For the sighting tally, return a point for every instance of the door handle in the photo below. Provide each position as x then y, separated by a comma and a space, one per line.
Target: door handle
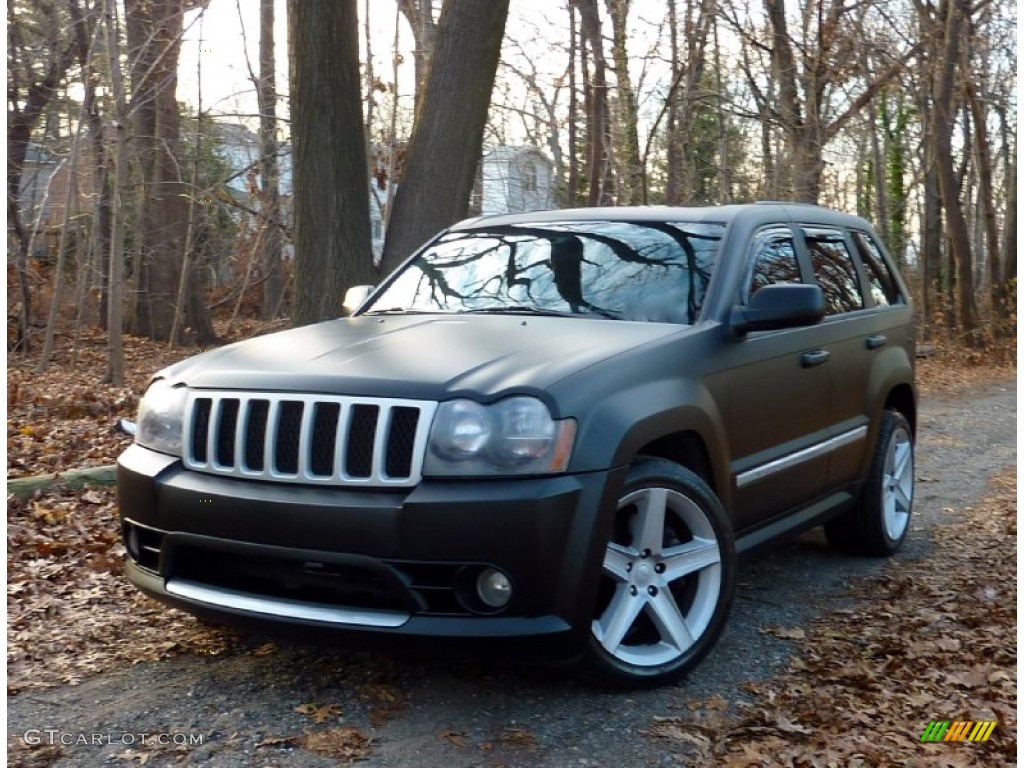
811, 359
874, 342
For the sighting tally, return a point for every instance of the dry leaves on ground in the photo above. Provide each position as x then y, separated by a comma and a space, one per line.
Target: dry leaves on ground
62, 419
952, 371
929, 639
70, 611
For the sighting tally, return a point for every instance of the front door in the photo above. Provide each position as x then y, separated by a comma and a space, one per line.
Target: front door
778, 398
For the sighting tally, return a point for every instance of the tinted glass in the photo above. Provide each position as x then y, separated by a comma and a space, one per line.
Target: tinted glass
774, 262
834, 270
881, 283
653, 271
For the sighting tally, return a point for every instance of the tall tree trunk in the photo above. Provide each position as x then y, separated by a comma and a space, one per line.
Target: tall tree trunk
1009, 254
270, 257
448, 137
573, 187
960, 244
629, 153
26, 104
598, 121
115, 359
881, 192
154, 40
673, 148
332, 194
983, 153
420, 15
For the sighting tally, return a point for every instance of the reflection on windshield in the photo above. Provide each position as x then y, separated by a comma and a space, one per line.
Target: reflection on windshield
653, 271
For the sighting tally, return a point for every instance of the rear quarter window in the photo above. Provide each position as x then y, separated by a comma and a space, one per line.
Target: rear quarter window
882, 283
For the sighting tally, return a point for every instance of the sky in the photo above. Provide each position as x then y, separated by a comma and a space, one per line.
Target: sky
216, 42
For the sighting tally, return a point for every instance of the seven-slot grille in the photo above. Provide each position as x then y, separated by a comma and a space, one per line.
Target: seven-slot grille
321, 439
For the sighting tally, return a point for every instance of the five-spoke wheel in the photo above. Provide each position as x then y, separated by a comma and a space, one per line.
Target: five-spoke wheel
667, 578
879, 522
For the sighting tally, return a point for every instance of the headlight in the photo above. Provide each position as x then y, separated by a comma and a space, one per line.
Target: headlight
513, 436
161, 412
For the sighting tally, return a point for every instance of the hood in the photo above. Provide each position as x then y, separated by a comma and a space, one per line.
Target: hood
431, 357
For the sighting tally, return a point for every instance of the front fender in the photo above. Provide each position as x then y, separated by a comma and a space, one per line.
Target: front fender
620, 425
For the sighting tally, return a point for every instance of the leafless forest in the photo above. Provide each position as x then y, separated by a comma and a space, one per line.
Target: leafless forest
130, 210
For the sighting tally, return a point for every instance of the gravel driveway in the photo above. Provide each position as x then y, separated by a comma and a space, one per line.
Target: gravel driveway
419, 712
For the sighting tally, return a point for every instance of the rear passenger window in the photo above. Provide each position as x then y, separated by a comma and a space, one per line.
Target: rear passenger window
774, 261
834, 270
881, 283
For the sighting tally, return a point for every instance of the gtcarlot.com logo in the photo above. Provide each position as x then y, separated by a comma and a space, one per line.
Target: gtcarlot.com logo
52, 736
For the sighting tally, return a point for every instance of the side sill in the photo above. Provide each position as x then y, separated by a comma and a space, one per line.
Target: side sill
793, 524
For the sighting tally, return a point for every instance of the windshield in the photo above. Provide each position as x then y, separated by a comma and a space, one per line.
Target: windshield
643, 270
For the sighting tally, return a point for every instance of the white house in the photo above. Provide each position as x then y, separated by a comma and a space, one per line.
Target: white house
514, 180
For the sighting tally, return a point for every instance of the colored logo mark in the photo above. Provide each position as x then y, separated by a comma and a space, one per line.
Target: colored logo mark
958, 730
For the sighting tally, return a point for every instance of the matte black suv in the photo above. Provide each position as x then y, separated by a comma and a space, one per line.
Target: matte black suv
553, 431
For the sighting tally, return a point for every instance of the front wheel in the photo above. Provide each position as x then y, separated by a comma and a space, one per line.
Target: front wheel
667, 581
878, 525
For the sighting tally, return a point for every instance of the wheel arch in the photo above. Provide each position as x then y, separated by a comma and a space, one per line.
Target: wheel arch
901, 398
672, 420
686, 448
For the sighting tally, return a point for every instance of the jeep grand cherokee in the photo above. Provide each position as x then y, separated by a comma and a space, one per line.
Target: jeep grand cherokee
554, 431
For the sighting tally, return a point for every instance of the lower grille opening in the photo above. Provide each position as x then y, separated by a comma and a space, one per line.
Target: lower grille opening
143, 546
312, 581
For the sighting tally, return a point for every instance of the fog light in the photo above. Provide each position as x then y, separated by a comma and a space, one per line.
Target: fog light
493, 588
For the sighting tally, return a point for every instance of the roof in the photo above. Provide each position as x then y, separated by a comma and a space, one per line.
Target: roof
511, 153
768, 211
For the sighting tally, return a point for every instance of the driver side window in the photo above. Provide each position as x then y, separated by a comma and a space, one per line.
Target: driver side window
773, 262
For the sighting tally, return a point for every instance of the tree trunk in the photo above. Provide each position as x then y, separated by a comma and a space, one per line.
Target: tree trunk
420, 15
331, 172
448, 137
573, 186
26, 103
115, 360
1009, 255
598, 123
983, 153
270, 258
629, 153
881, 213
154, 40
673, 149
949, 187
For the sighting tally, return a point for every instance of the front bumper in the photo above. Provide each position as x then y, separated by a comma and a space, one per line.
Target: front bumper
335, 563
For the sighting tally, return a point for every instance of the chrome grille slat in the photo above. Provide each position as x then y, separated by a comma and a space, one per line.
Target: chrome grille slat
316, 413
241, 425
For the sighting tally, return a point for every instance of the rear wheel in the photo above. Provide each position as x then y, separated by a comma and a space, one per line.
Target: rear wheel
878, 525
667, 580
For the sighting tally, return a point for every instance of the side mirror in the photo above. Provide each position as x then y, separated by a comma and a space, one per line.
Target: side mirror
779, 306
354, 298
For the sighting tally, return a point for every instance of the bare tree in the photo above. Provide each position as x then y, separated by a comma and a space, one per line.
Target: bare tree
115, 367
954, 13
448, 136
420, 15
805, 108
266, 92
39, 53
331, 175
599, 147
154, 30
629, 150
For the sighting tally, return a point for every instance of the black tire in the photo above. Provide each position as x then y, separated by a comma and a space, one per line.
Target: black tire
668, 580
877, 526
